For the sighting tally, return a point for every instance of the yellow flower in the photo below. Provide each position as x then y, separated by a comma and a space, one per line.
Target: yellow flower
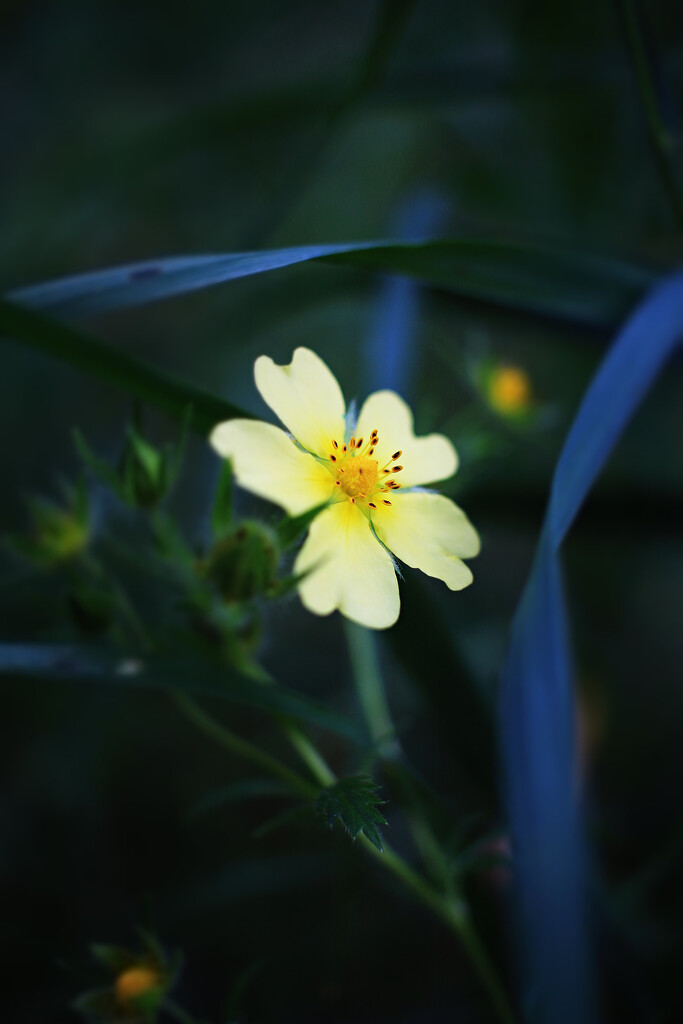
509, 390
369, 482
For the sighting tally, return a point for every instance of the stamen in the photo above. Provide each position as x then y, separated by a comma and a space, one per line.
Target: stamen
371, 504
359, 443
343, 448
396, 469
337, 483
334, 443
396, 455
333, 458
352, 443
385, 502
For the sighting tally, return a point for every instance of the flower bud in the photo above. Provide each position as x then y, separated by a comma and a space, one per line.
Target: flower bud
243, 564
58, 532
146, 474
140, 986
509, 390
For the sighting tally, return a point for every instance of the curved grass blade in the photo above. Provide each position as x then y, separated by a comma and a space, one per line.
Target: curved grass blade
537, 279
57, 663
159, 388
390, 355
537, 709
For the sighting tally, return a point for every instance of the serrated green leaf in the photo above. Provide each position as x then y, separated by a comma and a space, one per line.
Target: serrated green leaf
355, 802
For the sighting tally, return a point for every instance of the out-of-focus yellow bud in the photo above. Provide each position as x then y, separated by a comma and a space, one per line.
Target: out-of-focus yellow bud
509, 390
135, 983
58, 532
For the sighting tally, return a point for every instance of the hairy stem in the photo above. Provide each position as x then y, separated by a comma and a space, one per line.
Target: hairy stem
443, 902
451, 912
243, 748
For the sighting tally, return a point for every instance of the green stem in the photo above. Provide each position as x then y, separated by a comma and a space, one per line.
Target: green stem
451, 912
370, 690
243, 748
372, 697
445, 904
309, 754
660, 139
454, 914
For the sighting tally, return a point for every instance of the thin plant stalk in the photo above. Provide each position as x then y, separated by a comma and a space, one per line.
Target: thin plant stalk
660, 138
451, 912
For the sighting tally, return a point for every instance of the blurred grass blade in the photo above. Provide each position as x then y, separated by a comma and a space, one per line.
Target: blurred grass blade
63, 664
538, 279
390, 354
537, 707
181, 401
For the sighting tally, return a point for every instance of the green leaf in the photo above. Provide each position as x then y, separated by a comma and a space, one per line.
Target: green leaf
221, 513
99, 468
248, 789
158, 388
62, 664
98, 1004
290, 529
116, 958
354, 801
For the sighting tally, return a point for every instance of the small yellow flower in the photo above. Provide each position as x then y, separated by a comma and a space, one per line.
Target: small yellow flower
135, 982
509, 390
370, 482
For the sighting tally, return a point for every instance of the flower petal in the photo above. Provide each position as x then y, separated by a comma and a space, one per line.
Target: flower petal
424, 459
428, 532
307, 398
268, 463
348, 569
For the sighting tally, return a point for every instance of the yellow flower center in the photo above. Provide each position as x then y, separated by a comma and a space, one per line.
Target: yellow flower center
359, 476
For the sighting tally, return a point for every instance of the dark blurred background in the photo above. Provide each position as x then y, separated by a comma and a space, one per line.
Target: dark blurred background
130, 131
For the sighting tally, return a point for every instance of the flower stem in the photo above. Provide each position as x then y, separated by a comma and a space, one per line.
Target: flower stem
451, 912
243, 748
445, 904
660, 139
370, 690
309, 753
